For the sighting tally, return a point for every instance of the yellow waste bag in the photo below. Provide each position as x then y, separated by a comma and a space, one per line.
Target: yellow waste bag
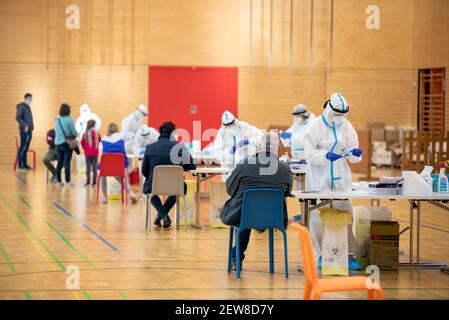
334, 244
189, 205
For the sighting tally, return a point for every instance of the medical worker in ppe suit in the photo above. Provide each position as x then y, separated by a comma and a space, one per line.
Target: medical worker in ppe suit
301, 117
131, 124
143, 138
85, 115
235, 140
330, 142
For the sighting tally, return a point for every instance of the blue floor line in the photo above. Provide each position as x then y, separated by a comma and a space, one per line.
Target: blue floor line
106, 242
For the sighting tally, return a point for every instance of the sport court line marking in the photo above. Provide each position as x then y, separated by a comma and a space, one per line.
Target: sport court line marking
98, 236
7, 258
67, 242
22, 180
27, 227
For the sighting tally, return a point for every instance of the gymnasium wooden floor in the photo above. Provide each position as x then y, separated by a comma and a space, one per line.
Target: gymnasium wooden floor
44, 229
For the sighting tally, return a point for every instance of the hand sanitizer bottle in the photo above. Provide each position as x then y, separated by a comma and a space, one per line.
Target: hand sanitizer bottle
443, 185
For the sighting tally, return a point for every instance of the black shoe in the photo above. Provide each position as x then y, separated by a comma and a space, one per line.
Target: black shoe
87, 184
157, 221
167, 222
260, 230
234, 265
27, 167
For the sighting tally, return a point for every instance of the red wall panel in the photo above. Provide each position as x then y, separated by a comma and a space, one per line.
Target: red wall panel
174, 91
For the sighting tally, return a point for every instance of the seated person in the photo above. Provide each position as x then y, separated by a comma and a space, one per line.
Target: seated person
157, 154
262, 170
51, 154
114, 143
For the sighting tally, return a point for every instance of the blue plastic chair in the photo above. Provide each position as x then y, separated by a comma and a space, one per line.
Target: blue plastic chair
261, 209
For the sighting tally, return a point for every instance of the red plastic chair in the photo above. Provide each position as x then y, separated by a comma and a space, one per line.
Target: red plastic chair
16, 162
113, 165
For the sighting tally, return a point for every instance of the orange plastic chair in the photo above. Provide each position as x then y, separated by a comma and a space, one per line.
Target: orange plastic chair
113, 165
315, 286
16, 162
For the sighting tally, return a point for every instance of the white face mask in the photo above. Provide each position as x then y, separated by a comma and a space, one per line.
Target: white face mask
299, 120
28, 102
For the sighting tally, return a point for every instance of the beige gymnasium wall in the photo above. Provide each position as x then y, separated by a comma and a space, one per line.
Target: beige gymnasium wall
106, 62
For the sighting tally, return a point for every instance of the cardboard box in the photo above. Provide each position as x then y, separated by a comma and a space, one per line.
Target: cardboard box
384, 251
218, 197
361, 227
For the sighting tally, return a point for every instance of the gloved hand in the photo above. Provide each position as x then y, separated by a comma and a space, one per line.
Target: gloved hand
285, 135
243, 143
233, 149
332, 156
356, 152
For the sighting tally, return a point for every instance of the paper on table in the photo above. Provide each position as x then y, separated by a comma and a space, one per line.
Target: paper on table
415, 185
427, 171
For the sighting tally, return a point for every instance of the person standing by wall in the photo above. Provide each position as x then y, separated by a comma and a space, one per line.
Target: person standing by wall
24, 117
51, 154
65, 128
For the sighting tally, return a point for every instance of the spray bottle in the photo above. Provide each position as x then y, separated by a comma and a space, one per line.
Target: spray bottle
443, 184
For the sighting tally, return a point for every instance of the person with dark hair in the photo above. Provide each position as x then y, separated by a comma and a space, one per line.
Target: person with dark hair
262, 170
64, 128
160, 153
51, 154
24, 117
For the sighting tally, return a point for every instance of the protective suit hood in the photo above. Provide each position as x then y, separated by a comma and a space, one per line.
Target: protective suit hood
336, 109
85, 110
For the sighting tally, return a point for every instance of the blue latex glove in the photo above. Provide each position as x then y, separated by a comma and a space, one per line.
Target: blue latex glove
233, 149
243, 143
356, 152
285, 135
332, 156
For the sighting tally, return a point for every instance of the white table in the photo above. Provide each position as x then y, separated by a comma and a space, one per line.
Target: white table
206, 173
202, 175
434, 199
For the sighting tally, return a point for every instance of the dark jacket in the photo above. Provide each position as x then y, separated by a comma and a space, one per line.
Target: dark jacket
252, 173
51, 139
24, 116
158, 153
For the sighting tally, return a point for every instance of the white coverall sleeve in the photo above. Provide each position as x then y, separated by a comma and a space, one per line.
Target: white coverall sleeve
78, 125
310, 141
353, 142
219, 148
154, 135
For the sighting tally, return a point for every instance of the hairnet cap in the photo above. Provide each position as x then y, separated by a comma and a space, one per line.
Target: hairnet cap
143, 109
339, 103
300, 109
227, 118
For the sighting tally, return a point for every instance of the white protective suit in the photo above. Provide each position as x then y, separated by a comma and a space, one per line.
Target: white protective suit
130, 125
298, 123
143, 138
235, 141
297, 147
85, 115
330, 133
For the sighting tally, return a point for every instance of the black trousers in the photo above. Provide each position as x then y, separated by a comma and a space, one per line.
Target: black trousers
164, 209
64, 157
91, 166
25, 141
244, 240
